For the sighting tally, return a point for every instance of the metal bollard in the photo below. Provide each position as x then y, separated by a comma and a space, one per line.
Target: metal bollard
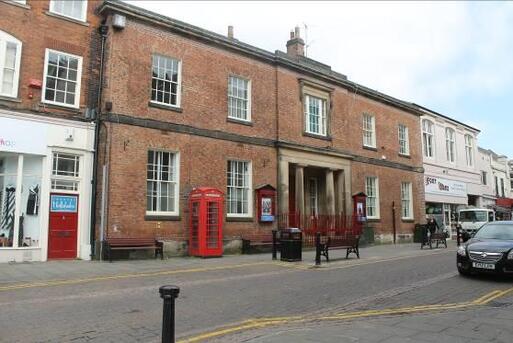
169, 294
275, 248
458, 235
318, 249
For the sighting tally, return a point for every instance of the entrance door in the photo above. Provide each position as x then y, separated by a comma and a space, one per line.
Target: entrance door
62, 237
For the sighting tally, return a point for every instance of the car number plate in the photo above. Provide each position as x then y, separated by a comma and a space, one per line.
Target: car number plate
483, 265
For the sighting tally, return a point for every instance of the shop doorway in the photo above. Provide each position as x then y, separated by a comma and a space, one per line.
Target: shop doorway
62, 229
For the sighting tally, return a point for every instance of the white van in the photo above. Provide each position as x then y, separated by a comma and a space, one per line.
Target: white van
471, 219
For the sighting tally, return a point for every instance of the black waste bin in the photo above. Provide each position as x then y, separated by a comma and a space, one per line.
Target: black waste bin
291, 241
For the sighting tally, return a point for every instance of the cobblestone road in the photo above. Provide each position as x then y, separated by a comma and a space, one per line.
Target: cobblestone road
119, 302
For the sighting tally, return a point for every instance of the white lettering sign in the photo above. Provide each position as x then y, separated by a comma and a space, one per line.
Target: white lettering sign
23, 136
436, 185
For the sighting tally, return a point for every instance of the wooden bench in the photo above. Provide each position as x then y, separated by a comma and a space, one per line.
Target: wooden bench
115, 243
436, 237
348, 241
256, 240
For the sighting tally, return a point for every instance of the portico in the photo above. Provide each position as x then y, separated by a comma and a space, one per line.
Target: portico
314, 184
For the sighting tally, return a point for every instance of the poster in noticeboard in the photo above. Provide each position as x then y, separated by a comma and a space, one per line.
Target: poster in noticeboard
266, 214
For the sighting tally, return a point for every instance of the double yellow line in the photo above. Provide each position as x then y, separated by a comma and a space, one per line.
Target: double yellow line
273, 321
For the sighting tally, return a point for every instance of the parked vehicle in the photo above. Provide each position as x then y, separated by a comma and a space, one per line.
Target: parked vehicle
489, 250
471, 219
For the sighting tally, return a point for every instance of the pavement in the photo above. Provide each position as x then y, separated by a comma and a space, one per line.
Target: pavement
391, 294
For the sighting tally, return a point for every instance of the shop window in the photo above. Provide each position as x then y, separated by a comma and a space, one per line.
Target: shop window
239, 189
20, 193
162, 183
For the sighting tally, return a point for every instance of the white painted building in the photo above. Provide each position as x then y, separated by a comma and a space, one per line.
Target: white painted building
452, 178
45, 187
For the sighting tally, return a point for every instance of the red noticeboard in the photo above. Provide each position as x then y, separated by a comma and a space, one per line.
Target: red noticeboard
206, 207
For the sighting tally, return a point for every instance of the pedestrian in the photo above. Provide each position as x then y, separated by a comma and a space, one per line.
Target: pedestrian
432, 226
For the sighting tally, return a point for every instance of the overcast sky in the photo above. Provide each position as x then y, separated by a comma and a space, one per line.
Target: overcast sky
455, 58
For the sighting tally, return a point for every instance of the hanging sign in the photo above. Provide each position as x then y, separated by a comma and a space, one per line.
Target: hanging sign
63, 203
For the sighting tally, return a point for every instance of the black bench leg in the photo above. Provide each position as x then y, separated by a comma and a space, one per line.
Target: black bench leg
348, 250
357, 252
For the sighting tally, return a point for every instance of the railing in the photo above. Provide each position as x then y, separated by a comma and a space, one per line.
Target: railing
326, 225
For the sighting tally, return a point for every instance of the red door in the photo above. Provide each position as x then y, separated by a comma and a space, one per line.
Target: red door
62, 229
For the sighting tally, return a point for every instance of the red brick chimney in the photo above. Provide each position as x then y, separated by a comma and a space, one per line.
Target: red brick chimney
296, 44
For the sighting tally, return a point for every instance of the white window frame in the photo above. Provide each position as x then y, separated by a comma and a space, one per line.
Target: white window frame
404, 140
313, 192
176, 182
6, 38
247, 100
78, 81
178, 83
406, 199
469, 150
369, 130
82, 18
249, 188
450, 144
72, 179
372, 196
323, 120
428, 138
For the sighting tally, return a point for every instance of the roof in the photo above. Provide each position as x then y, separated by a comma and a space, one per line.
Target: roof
428, 111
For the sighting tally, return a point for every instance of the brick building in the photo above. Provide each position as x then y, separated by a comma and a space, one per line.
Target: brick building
185, 107
48, 83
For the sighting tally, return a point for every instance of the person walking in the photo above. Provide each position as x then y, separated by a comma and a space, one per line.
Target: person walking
432, 226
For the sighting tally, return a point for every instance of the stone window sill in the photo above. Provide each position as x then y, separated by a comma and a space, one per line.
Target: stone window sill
64, 108
71, 20
17, 4
313, 135
369, 148
6, 98
239, 219
239, 121
165, 107
161, 218
404, 156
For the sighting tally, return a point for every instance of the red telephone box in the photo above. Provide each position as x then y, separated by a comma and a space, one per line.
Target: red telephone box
206, 222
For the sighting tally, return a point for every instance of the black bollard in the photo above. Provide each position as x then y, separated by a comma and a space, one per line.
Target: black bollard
275, 248
169, 294
458, 235
318, 249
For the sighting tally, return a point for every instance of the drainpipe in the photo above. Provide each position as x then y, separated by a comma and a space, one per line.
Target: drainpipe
103, 30
393, 219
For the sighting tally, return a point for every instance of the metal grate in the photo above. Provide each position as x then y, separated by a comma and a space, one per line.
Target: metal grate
485, 257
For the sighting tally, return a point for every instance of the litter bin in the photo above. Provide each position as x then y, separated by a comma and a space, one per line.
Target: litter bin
291, 241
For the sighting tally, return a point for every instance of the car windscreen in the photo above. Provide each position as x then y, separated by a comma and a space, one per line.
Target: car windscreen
494, 231
473, 216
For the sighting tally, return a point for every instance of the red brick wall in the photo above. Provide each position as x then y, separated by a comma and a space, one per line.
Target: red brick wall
37, 31
201, 164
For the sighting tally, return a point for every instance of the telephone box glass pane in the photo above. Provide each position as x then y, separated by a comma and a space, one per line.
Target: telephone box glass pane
212, 224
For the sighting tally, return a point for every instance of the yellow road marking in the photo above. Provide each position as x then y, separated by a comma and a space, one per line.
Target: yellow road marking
125, 276
51, 283
263, 322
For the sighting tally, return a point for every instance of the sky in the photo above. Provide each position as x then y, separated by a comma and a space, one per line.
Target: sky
455, 58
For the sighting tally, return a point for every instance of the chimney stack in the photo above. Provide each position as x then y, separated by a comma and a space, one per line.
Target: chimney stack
296, 44
230, 31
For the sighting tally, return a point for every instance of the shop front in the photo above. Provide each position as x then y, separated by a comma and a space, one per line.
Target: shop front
45, 187
444, 198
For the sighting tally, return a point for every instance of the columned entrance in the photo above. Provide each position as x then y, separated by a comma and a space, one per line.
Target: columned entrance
314, 184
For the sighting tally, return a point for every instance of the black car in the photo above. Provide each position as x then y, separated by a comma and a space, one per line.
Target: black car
489, 250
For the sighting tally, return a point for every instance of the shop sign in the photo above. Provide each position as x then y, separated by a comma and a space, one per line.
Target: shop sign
436, 185
23, 136
63, 203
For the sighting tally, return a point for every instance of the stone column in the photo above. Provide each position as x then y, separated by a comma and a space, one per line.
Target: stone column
340, 193
330, 192
283, 188
300, 189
